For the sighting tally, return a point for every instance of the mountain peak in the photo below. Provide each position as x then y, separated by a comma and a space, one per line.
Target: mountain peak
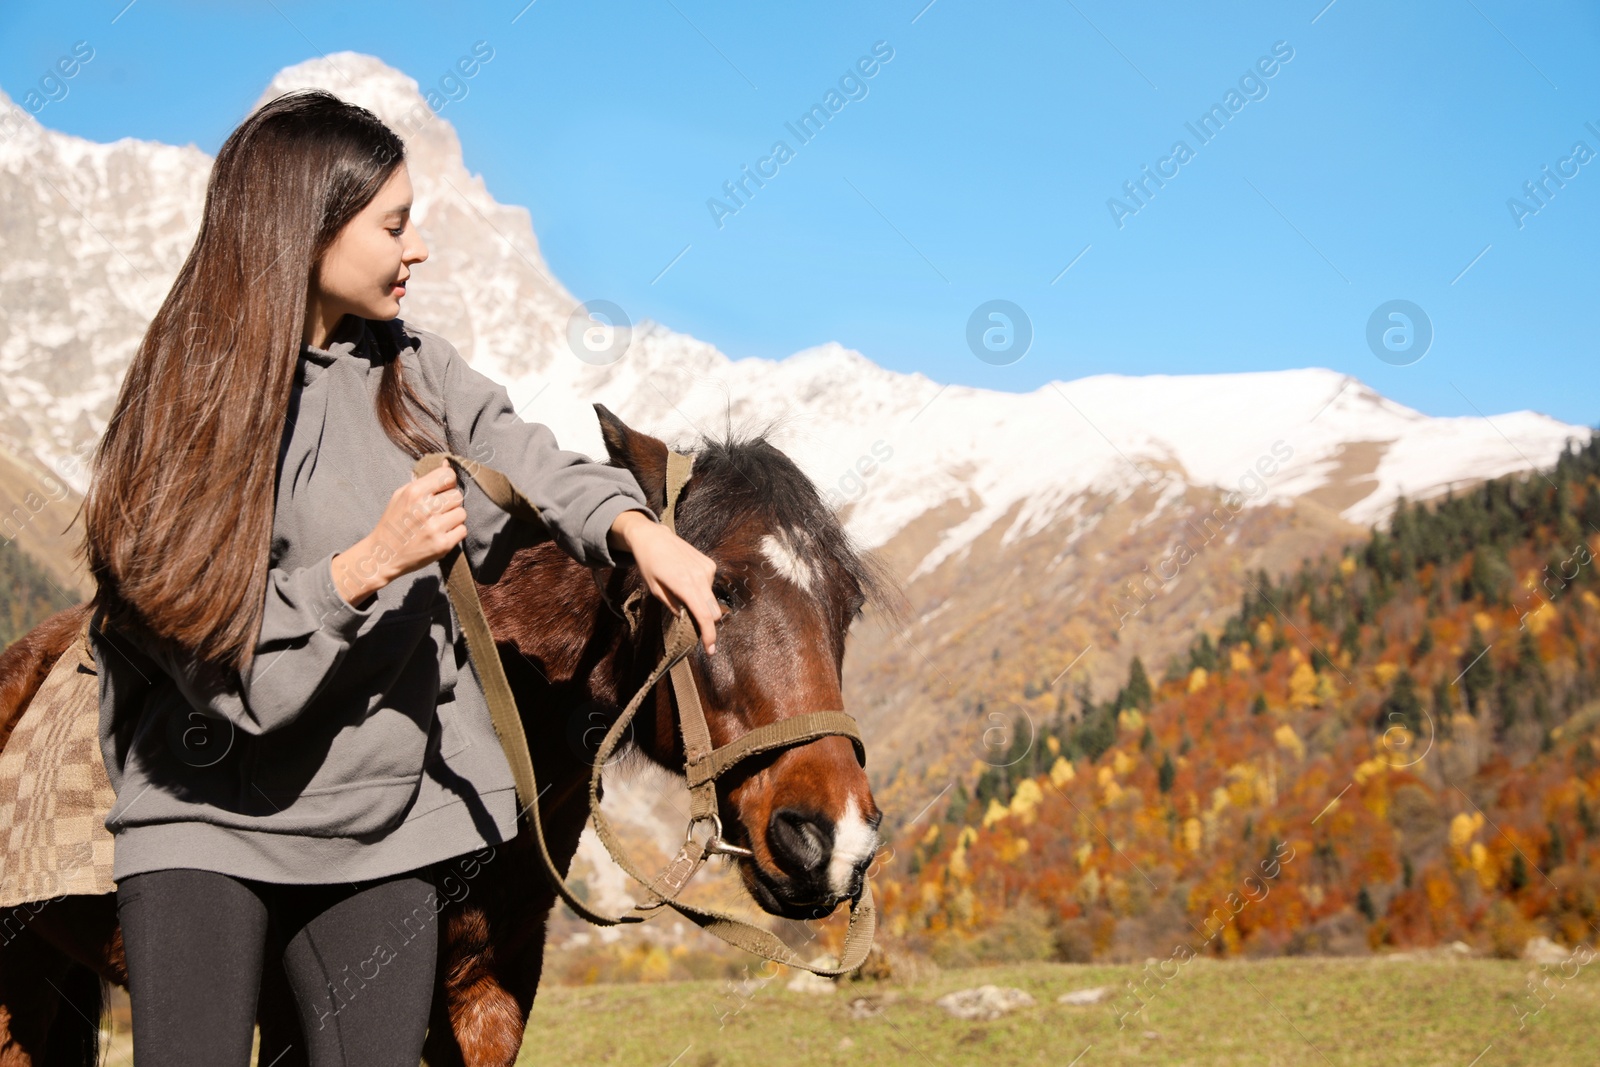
20, 133
433, 151
353, 76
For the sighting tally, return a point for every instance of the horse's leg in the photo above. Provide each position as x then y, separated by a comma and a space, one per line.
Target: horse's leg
491, 952
39, 985
68, 947
85, 928
476, 1020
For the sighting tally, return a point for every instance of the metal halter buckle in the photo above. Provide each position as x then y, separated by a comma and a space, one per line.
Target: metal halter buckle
715, 845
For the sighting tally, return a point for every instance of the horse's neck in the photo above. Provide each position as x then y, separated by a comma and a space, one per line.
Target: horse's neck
572, 675
547, 607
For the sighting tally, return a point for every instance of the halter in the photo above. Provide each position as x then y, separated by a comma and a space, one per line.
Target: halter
704, 762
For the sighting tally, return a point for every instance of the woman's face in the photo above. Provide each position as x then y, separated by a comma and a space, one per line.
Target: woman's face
364, 271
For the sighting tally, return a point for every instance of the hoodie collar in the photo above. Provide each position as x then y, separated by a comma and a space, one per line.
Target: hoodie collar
350, 340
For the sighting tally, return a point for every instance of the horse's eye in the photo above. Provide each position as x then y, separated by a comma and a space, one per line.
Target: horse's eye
724, 595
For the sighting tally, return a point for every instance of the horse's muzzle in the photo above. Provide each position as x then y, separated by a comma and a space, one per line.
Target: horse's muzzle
818, 862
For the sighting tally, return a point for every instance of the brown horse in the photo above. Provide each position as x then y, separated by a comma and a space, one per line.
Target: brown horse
790, 583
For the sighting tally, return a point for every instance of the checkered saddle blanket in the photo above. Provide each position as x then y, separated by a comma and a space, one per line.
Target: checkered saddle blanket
54, 793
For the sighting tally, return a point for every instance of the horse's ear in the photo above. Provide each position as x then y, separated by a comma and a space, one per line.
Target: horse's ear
643, 455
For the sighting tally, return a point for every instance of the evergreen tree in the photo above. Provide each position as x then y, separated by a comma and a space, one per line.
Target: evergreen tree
1517, 879
1350, 639
1138, 692
956, 811
1401, 707
1477, 676
1491, 576
1097, 733
1529, 669
1166, 773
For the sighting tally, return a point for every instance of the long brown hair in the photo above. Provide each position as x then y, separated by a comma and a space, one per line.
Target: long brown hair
178, 516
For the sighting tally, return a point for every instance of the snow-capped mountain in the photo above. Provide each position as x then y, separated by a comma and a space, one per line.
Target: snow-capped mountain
94, 234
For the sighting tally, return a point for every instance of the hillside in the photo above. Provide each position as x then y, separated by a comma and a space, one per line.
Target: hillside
1394, 747
27, 594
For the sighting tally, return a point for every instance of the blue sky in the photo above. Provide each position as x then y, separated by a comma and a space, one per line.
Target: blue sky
978, 163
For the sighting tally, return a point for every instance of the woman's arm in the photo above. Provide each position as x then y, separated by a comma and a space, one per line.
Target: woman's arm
578, 498
589, 508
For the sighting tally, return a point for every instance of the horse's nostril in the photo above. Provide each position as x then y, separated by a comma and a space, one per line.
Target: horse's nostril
800, 842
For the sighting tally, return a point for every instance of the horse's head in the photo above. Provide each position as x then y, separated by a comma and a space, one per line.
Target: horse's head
791, 584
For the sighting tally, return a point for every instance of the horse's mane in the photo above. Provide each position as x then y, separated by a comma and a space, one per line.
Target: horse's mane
755, 480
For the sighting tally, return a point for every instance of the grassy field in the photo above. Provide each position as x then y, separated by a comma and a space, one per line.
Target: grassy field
1289, 1012
1352, 1013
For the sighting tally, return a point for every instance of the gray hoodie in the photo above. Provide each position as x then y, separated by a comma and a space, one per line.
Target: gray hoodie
360, 744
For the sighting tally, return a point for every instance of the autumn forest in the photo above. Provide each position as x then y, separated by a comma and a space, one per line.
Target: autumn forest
1397, 747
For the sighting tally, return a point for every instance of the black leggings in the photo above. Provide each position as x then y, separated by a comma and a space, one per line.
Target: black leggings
360, 960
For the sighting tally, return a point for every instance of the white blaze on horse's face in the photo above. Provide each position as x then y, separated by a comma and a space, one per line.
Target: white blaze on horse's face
786, 561
853, 842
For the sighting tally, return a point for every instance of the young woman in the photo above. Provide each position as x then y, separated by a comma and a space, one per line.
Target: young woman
287, 710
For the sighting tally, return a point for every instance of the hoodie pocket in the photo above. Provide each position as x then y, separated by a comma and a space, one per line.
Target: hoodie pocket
369, 729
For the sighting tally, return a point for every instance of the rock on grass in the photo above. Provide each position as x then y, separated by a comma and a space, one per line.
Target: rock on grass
984, 1002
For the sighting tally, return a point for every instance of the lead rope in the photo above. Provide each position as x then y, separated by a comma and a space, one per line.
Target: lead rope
703, 761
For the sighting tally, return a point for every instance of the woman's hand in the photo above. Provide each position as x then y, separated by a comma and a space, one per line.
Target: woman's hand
423, 521
677, 573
